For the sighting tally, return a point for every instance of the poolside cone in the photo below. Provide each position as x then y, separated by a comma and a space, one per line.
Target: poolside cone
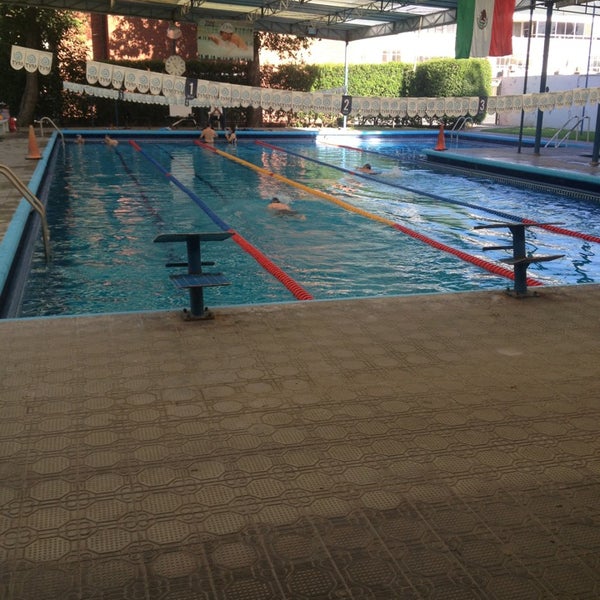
441, 141
33, 150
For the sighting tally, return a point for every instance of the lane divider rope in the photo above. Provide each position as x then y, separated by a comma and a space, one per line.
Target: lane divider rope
475, 260
552, 228
294, 287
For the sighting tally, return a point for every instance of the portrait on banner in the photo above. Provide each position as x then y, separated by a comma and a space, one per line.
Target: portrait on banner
225, 39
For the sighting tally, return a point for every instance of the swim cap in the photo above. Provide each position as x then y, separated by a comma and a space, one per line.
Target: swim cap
227, 28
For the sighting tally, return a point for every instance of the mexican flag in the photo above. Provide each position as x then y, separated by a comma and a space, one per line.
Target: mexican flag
484, 28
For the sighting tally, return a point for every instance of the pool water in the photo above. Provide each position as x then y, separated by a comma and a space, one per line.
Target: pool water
107, 205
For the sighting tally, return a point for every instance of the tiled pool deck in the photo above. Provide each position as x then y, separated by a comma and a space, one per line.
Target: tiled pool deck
439, 446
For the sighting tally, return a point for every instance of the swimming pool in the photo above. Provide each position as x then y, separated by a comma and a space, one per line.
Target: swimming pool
107, 205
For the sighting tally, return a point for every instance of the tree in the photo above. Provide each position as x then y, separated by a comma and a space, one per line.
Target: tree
286, 46
48, 30
143, 38
137, 38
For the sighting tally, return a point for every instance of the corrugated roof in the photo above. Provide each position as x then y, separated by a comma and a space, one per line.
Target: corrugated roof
345, 20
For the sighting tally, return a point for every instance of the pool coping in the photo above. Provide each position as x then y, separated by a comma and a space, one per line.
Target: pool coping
545, 175
11, 245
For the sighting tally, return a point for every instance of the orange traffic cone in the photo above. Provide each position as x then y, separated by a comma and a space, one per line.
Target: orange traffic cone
441, 141
33, 150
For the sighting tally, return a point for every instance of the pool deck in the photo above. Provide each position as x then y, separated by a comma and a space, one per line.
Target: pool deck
13, 154
432, 447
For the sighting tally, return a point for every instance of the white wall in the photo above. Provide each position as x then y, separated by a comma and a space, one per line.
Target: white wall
553, 118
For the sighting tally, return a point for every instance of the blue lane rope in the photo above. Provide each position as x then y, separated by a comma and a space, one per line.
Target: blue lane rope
294, 287
498, 213
207, 209
394, 185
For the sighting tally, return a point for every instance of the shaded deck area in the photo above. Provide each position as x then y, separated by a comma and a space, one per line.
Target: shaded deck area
425, 447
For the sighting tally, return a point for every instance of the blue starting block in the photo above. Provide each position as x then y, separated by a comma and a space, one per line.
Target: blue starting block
520, 260
195, 280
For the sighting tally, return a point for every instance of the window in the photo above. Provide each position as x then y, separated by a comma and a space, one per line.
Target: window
391, 56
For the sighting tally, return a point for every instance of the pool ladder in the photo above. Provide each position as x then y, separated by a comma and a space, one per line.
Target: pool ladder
460, 124
35, 203
571, 127
41, 124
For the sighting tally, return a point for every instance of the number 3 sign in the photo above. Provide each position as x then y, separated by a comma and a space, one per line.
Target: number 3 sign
482, 106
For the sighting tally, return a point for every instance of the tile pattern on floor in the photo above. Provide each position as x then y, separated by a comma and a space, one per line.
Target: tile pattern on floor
424, 447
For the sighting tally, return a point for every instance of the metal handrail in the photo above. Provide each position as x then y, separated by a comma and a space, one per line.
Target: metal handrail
460, 124
33, 200
41, 124
178, 122
578, 121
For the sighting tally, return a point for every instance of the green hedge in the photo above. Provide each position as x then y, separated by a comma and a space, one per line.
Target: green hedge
435, 78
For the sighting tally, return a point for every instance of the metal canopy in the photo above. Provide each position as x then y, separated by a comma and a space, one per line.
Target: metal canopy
343, 20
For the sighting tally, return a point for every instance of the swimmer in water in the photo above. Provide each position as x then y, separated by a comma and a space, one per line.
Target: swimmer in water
282, 209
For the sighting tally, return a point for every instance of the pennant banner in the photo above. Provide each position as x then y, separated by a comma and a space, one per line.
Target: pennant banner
17, 57
156, 83
44, 62
130, 81
157, 88
117, 76
142, 82
32, 60
168, 85
105, 74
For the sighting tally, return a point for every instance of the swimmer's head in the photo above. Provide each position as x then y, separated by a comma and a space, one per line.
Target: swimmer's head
275, 199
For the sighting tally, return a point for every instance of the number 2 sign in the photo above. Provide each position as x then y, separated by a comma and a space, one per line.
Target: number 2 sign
346, 105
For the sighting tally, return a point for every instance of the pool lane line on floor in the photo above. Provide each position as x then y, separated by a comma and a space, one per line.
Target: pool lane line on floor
199, 177
475, 260
293, 286
548, 227
145, 199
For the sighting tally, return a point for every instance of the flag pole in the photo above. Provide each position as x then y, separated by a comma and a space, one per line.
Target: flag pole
531, 7
544, 77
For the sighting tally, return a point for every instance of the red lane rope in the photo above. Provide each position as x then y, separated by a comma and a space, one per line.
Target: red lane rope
552, 228
268, 265
261, 143
480, 262
292, 286
346, 147
205, 146
562, 231
297, 290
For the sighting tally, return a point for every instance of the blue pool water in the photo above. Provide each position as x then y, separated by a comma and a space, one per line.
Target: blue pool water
107, 205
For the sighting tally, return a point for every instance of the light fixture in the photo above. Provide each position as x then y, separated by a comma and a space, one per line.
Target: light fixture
173, 32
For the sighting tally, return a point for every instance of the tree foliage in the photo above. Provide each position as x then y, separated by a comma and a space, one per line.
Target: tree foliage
287, 47
449, 77
364, 80
31, 95
138, 38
